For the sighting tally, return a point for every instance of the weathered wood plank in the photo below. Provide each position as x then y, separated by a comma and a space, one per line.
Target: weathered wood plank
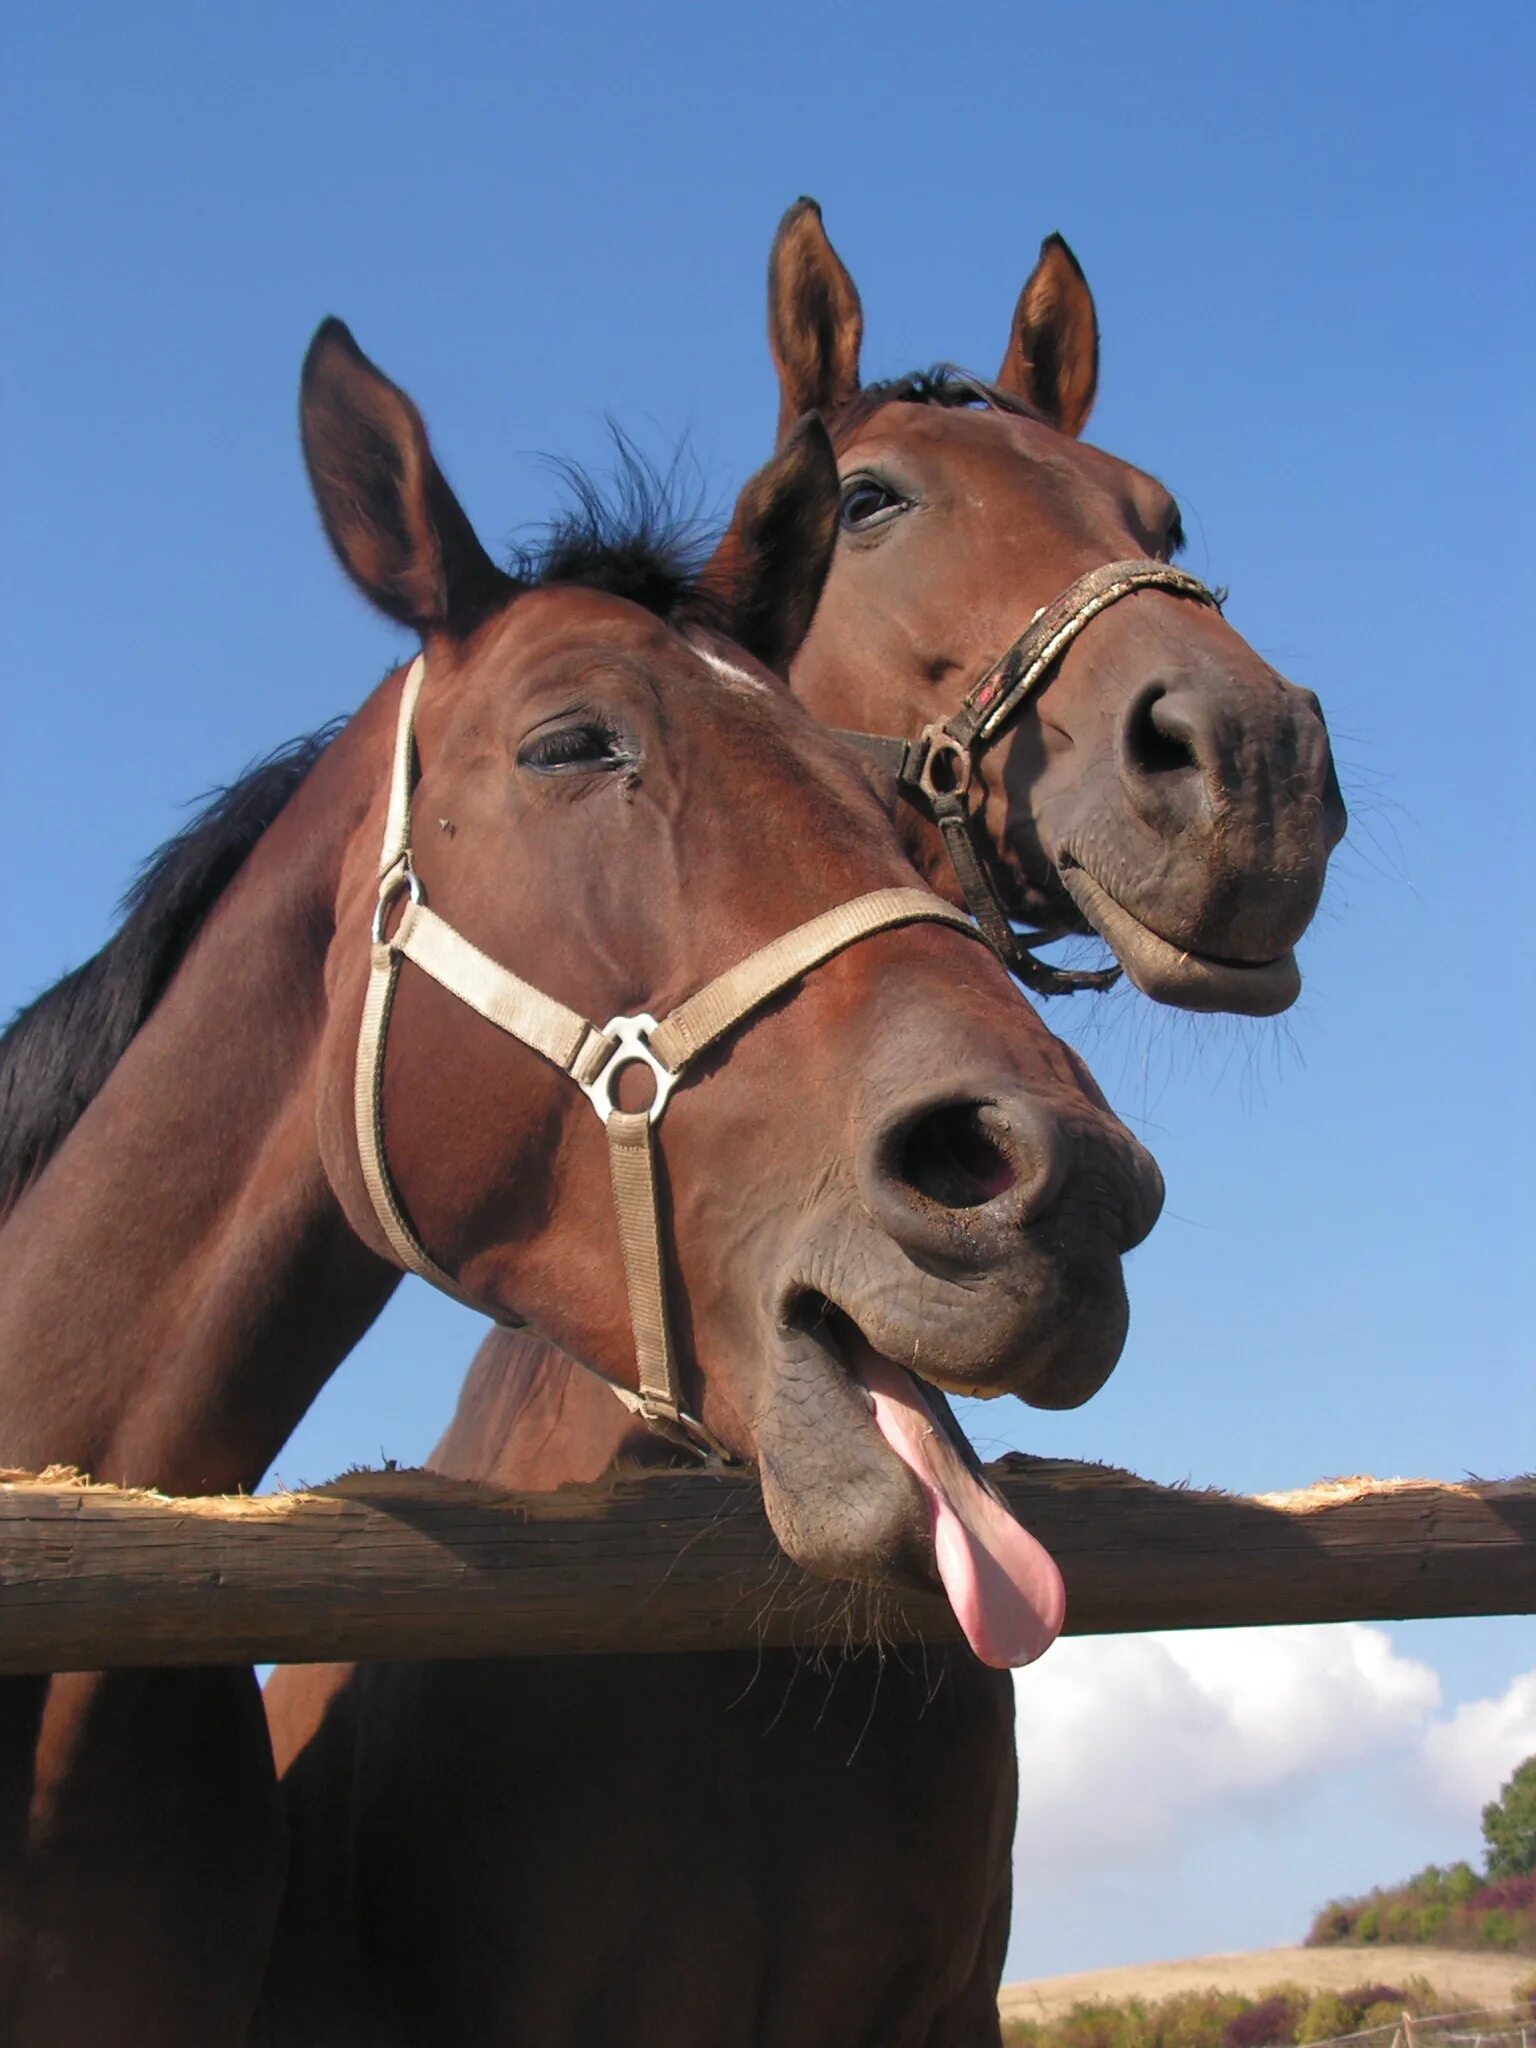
403, 1564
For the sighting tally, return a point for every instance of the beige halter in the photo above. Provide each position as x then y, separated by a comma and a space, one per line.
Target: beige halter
592, 1058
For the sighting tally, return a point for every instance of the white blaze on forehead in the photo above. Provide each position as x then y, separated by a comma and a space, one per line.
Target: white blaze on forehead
733, 677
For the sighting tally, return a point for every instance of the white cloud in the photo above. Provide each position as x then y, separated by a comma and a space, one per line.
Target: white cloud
1466, 1759
1125, 1740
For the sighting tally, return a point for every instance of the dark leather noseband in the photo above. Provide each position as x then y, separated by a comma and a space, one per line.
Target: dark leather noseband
938, 767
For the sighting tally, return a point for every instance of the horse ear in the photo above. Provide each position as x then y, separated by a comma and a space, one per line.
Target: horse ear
770, 568
815, 322
398, 530
1053, 352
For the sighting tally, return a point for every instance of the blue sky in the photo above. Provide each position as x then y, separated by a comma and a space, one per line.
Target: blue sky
1308, 229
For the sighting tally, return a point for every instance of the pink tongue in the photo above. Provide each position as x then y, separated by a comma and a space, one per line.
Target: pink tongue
1004, 1587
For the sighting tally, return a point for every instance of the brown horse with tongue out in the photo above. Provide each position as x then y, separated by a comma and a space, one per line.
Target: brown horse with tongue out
328, 1045
789, 1854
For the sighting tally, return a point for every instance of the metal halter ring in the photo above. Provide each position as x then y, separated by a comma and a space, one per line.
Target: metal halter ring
634, 1045
389, 889
939, 744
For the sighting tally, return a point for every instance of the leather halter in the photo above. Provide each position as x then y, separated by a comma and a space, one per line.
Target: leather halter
592, 1058
939, 765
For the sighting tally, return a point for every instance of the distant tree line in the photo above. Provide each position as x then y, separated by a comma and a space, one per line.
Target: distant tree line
1284, 2016
1453, 1905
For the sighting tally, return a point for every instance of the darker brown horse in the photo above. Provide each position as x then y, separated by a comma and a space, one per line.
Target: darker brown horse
727, 1850
226, 1134
1163, 786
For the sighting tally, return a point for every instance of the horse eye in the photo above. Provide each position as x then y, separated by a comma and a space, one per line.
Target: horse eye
587, 746
867, 502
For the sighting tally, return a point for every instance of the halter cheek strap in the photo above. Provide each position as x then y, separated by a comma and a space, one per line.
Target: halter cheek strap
939, 765
592, 1058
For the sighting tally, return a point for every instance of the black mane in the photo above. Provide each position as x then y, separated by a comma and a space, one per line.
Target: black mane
946, 384
58, 1051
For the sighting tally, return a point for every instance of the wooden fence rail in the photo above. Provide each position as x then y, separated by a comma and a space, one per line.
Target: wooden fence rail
404, 1564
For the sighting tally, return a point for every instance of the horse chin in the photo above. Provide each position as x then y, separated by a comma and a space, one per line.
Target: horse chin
1170, 974
840, 1504
866, 1475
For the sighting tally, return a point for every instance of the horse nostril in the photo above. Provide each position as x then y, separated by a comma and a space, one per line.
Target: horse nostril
1158, 739
955, 1174
949, 1157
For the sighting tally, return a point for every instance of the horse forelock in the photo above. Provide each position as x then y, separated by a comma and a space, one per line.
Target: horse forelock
642, 536
944, 384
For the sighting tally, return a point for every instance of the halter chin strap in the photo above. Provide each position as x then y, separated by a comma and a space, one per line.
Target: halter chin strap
939, 765
593, 1059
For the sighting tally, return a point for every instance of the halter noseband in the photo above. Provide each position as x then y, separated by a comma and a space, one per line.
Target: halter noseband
592, 1058
939, 765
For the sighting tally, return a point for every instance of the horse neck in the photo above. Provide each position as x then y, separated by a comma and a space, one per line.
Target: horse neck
531, 1419
180, 1280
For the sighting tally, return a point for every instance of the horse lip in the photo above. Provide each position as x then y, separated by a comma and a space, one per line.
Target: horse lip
812, 1324
1171, 973
832, 1329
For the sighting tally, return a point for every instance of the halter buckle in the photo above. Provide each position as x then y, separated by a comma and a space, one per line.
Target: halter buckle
938, 744
633, 1036
399, 878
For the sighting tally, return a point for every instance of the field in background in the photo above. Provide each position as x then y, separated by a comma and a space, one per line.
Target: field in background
1472, 1979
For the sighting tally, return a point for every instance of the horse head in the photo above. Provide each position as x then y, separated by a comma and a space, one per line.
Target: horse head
1163, 786
887, 1168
